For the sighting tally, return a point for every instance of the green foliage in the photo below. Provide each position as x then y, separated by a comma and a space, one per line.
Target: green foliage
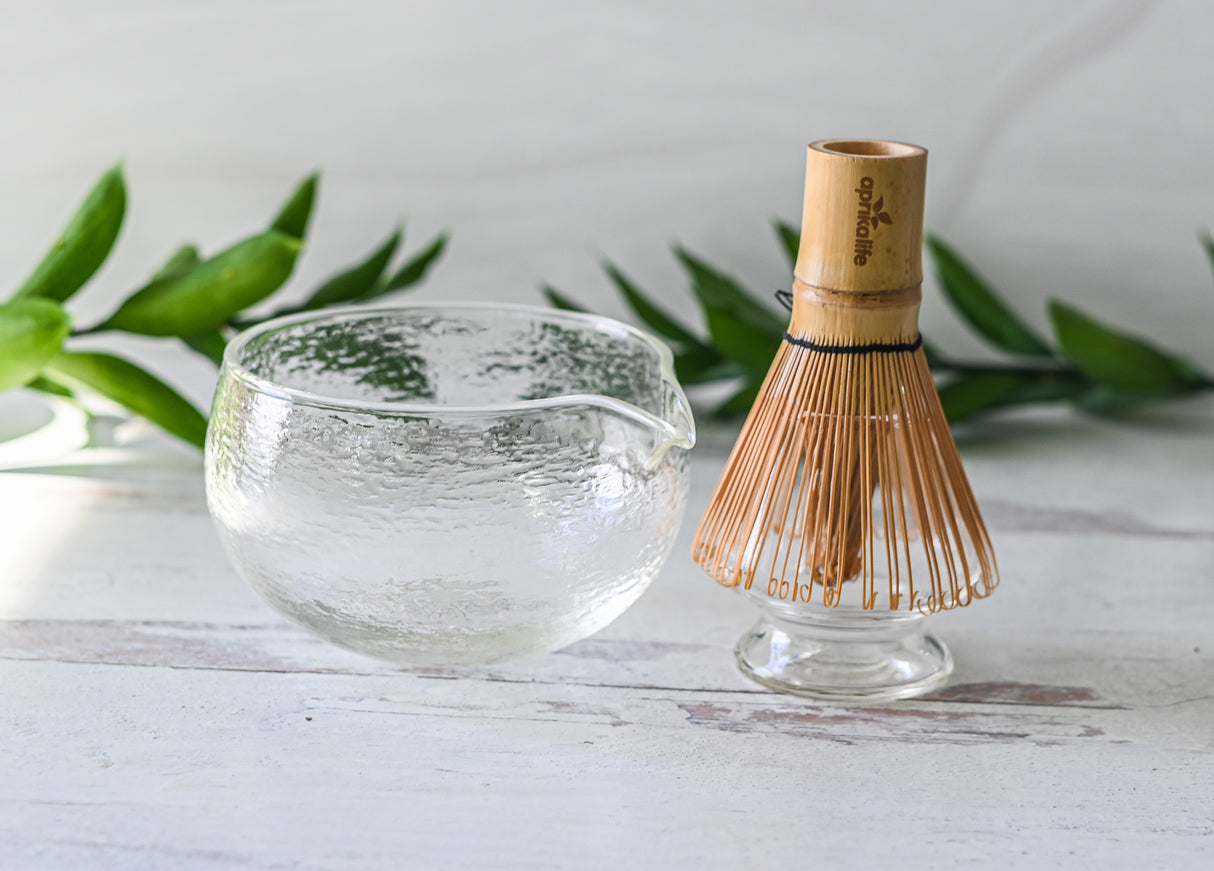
977, 392
556, 299
183, 260
199, 300
413, 271
132, 387
211, 293
980, 306
1119, 361
656, 319
790, 241
32, 331
46, 385
84, 243
356, 281
209, 343
292, 219
1093, 366
740, 327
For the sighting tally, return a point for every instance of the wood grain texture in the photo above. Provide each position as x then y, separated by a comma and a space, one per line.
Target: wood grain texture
157, 715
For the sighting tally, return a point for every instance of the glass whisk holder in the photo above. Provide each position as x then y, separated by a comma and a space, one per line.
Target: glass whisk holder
843, 653
855, 629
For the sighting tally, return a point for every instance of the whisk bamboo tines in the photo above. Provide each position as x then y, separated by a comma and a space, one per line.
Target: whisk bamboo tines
845, 471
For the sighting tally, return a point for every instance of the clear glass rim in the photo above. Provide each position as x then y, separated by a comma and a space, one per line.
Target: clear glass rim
234, 366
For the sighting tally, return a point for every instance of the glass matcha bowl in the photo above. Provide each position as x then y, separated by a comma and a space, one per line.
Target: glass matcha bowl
448, 484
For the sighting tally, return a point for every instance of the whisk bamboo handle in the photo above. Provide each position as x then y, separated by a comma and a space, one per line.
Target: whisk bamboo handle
845, 470
847, 318
862, 225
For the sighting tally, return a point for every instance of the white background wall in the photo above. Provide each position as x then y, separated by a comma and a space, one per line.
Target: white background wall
1070, 142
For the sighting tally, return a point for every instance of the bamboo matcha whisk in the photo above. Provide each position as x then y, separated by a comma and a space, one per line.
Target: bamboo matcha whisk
845, 475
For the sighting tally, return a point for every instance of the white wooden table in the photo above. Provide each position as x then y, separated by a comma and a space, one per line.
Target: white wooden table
155, 714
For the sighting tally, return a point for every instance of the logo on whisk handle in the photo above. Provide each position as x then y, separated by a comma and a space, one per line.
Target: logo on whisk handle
870, 214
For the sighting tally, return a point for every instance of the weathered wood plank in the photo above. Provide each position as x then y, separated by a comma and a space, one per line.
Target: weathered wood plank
157, 714
1109, 699
205, 768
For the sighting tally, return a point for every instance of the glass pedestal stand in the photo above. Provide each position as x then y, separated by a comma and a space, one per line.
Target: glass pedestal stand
842, 654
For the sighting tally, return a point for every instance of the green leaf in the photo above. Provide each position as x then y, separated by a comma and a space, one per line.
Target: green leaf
975, 301
413, 271
1122, 362
556, 299
703, 366
292, 219
211, 293
969, 396
740, 403
210, 344
32, 332
649, 313
46, 385
183, 260
133, 388
1207, 242
717, 290
738, 341
742, 328
790, 241
355, 282
979, 392
1105, 401
84, 243
1050, 387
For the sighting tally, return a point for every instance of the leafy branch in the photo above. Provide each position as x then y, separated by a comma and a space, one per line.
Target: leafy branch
1089, 364
199, 301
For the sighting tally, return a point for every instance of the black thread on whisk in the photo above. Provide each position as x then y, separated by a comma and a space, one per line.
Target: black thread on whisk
871, 348
785, 299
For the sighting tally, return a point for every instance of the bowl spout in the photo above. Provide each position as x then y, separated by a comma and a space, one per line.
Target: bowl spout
677, 426
673, 426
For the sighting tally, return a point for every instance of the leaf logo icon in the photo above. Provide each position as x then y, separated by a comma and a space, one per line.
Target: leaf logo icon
879, 216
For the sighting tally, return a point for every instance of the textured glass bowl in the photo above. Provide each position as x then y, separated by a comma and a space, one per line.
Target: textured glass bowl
454, 484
